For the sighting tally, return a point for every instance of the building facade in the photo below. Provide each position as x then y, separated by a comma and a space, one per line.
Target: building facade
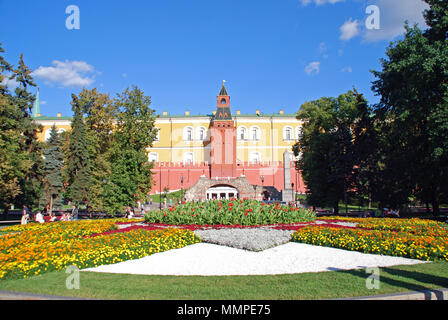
226, 153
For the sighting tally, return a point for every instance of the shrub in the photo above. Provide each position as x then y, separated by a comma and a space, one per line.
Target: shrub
229, 212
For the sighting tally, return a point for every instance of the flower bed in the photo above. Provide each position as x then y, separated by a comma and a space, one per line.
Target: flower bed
229, 212
411, 238
39, 248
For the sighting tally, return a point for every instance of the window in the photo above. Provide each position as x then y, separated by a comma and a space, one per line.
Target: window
188, 134
288, 134
223, 101
202, 133
153, 157
255, 133
188, 158
242, 133
254, 157
299, 133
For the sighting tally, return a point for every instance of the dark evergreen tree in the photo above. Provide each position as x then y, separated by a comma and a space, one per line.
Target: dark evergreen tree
77, 170
21, 152
53, 163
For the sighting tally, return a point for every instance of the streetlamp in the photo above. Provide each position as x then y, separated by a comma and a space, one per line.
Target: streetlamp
104, 183
182, 187
293, 192
262, 185
160, 189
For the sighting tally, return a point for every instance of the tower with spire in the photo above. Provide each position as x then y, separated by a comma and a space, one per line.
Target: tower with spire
223, 138
36, 107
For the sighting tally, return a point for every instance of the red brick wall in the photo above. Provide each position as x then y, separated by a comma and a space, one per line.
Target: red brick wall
170, 175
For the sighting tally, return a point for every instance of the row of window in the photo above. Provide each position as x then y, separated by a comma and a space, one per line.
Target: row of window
253, 133
188, 158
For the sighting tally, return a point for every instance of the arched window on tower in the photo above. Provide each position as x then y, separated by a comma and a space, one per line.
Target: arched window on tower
223, 101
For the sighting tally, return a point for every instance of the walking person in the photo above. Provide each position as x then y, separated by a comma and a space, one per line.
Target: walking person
74, 212
25, 215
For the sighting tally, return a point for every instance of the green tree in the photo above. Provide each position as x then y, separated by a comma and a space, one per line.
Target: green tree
100, 114
77, 169
130, 178
31, 184
20, 152
413, 86
53, 163
326, 149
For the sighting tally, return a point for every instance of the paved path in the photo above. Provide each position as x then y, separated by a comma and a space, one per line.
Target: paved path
9, 295
436, 294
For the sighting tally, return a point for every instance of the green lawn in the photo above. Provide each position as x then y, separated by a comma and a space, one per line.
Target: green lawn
323, 285
176, 196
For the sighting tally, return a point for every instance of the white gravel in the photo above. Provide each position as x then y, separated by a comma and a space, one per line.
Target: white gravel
215, 260
254, 239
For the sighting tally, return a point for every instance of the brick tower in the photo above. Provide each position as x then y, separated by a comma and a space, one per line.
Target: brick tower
223, 139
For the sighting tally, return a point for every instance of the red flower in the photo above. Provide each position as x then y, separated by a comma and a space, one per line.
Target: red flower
245, 212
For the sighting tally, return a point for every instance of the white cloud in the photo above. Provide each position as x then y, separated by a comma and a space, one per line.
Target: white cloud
319, 2
393, 14
312, 68
349, 29
124, 75
43, 102
323, 50
347, 69
67, 73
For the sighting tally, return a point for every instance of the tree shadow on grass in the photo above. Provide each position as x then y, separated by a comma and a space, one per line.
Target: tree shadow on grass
412, 280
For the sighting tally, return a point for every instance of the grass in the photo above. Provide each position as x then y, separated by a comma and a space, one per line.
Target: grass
176, 196
322, 285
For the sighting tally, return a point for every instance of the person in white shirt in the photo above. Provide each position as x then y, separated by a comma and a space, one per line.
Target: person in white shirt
39, 217
25, 219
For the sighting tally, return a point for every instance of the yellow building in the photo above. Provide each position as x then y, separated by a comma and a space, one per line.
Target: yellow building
184, 141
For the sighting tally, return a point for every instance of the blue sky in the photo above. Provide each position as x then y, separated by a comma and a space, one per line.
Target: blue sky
273, 54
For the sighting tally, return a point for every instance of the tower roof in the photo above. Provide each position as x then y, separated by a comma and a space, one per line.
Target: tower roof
223, 91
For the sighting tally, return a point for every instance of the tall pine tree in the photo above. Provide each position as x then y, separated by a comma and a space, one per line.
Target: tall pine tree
77, 169
53, 163
20, 152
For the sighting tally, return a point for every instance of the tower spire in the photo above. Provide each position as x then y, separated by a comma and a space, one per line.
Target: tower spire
36, 107
223, 91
